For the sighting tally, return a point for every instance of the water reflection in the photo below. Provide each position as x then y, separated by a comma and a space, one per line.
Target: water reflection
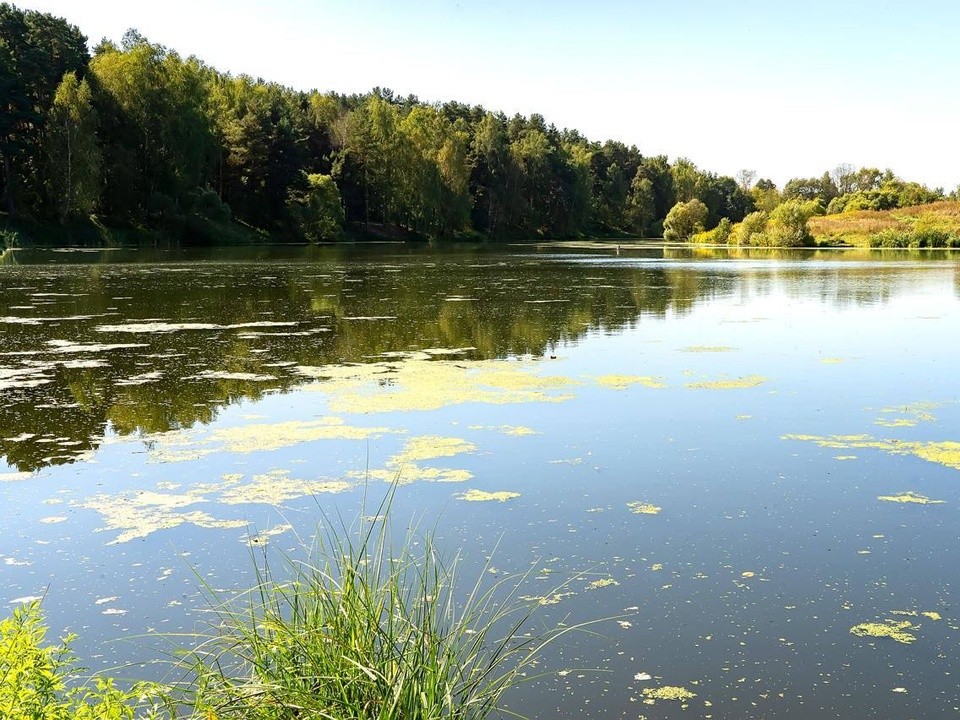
144, 342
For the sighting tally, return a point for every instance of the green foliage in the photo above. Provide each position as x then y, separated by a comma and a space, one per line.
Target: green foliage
36, 51
73, 153
684, 220
751, 231
787, 226
720, 235
144, 138
36, 678
316, 213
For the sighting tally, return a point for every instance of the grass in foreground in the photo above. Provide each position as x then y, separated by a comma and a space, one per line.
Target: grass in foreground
361, 630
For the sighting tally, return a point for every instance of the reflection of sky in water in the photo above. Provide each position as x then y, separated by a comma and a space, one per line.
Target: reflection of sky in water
742, 589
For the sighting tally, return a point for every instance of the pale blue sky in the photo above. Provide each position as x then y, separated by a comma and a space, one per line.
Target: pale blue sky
785, 88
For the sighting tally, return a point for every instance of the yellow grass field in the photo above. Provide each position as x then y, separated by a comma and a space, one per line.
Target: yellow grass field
871, 227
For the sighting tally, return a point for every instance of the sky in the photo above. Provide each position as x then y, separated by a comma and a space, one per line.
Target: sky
784, 88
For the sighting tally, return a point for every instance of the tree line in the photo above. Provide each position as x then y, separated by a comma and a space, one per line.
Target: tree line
134, 135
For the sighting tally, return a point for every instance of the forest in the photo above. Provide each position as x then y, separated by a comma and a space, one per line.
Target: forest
133, 142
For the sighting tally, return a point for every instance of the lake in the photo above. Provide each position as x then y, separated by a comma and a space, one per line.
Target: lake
745, 464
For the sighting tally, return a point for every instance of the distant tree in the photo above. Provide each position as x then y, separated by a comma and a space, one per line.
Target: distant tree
316, 212
36, 51
843, 177
684, 220
745, 179
641, 204
73, 154
821, 188
685, 176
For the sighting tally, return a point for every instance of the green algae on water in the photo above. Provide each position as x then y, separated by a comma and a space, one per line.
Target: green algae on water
622, 382
668, 692
748, 381
898, 630
474, 495
910, 497
944, 453
642, 508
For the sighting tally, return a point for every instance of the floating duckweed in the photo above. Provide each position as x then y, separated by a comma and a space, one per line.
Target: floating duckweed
832, 360
411, 472
428, 447
418, 382
748, 381
474, 495
516, 430
747, 574
602, 583
622, 382
893, 629
744, 417
910, 497
898, 422
668, 692
844, 457
276, 487
251, 438
656, 566
932, 615
945, 453
554, 599
707, 348
642, 508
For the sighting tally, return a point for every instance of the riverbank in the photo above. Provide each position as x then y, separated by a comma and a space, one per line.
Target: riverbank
934, 225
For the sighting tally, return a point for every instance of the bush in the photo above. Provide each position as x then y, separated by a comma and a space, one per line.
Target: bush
35, 678
720, 235
684, 220
787, 226
751, 230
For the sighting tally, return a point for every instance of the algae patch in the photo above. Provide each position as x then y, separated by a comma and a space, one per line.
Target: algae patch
748, 381
474, 495
668, 692
622, 382
428, 447
642, 508
417, 381
899, 630
944, 453
910, 497
707, 348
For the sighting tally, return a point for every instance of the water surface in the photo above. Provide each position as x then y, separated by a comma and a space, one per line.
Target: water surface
695, 443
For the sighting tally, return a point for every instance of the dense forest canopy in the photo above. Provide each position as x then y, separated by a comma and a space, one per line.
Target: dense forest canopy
136, 136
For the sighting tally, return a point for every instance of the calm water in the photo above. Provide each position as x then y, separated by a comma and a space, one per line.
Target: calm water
161, 413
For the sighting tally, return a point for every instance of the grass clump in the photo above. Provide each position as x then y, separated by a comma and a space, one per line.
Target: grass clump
364, 629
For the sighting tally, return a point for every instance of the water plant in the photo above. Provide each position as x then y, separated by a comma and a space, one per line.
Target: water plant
366, 628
